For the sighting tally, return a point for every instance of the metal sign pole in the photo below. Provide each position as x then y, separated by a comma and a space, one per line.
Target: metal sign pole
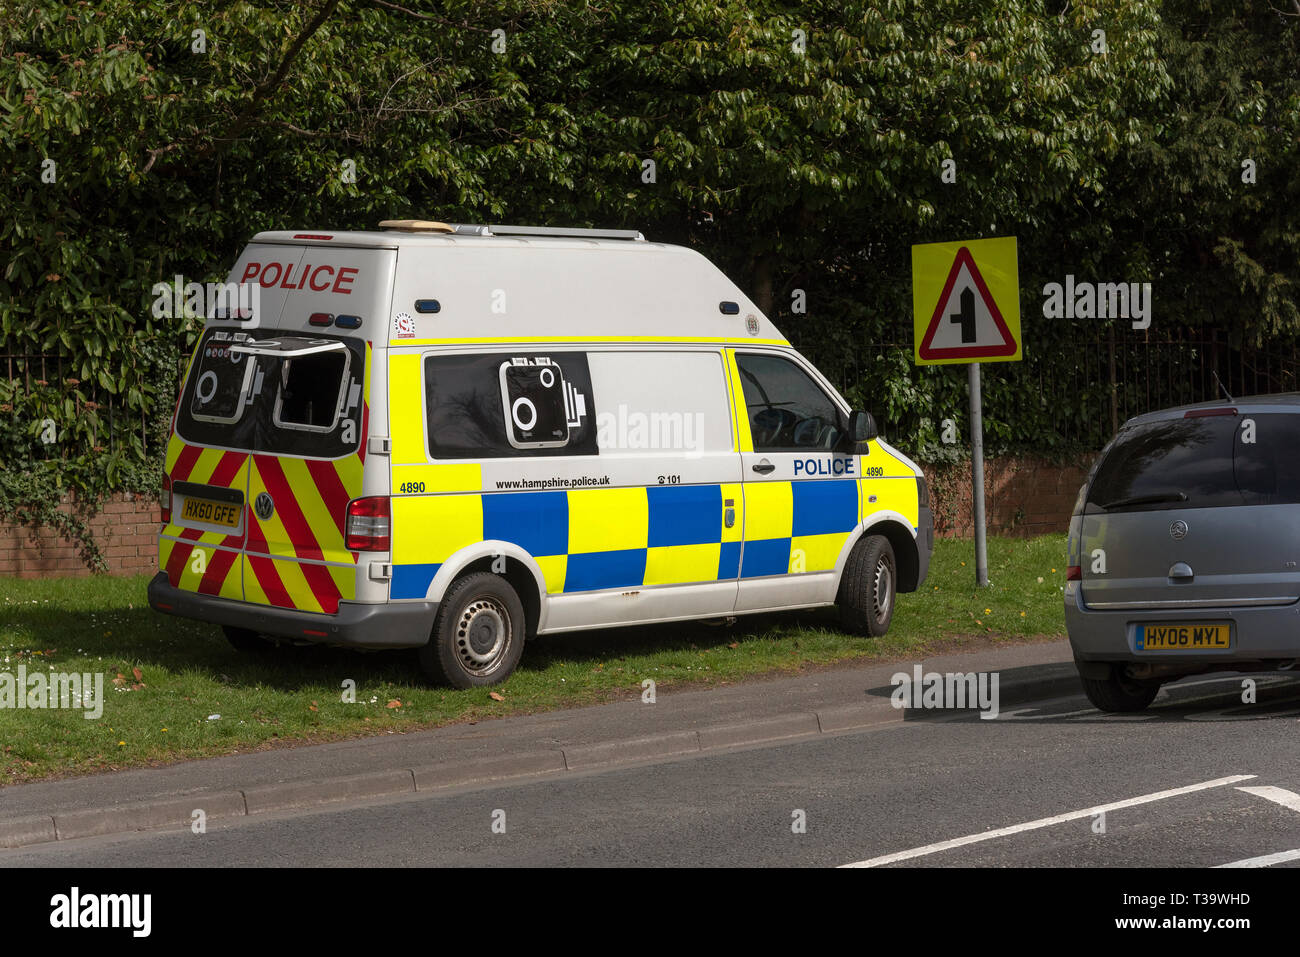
977, 473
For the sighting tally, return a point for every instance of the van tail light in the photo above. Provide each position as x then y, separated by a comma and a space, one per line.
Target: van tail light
1074, 573
368, 525
165, 499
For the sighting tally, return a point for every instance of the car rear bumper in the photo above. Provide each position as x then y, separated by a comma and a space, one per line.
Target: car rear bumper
357, 625
1269, 632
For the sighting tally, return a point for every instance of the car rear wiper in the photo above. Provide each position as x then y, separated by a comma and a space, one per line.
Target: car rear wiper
1151, 499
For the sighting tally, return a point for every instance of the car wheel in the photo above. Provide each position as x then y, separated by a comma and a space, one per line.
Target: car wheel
478, 635
246, 640
869, 587
1118, 694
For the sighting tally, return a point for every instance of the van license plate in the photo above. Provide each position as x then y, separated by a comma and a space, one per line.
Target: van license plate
1184, 637
214, 513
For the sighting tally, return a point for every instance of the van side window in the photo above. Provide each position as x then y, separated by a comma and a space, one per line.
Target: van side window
788, 411
654, 402
494, 405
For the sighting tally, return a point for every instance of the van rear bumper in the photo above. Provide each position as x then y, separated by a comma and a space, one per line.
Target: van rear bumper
1260, 633
357, 624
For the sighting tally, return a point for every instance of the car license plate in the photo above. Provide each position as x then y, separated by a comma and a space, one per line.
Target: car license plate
1190, 636
214, 513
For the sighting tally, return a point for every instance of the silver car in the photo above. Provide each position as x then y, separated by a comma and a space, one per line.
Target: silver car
1184, 549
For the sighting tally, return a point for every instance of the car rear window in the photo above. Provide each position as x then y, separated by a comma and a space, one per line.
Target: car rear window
1215, 460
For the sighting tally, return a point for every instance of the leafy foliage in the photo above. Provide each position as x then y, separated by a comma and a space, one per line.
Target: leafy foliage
798, 145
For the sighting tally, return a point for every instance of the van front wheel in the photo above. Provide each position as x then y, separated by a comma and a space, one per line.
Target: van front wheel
869, 587
478, 636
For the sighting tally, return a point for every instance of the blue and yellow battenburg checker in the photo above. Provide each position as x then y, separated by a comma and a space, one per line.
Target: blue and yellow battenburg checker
594, 539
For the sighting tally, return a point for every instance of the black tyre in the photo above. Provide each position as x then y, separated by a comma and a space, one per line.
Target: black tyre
1118, 694
246, 640
478, 636
869, 587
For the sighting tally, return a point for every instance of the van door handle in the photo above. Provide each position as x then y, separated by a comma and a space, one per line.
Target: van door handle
763, 467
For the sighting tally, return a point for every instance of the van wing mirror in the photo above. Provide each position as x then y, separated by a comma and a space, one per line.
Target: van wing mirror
862, 428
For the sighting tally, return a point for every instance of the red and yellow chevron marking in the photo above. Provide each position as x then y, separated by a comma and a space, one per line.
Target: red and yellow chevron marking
217, 572
298, 557
203, 569
295, 559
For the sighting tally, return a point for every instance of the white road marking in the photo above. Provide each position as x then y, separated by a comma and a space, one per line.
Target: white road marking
1268, 860
1280, 795
1047, 822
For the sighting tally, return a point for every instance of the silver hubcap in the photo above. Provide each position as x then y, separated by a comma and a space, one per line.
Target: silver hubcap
882, 590
482, 635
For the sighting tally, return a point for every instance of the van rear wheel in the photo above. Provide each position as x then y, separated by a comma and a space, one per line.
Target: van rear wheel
1118, 694
478, 636
869, 587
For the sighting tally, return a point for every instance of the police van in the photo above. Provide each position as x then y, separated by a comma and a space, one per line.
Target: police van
452, 437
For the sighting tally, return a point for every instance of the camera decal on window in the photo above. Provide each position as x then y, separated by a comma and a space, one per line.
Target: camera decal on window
541, 406
221, 381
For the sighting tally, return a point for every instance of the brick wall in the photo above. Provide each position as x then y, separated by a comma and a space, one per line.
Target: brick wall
1022, 495
125, 528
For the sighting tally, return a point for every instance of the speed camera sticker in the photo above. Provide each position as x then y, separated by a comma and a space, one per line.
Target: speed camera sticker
540, 405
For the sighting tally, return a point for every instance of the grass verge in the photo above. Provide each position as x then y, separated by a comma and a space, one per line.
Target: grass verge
176, 690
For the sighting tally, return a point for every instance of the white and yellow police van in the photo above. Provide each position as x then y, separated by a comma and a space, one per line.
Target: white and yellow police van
451, 437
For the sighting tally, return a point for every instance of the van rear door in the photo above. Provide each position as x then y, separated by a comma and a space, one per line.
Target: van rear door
276, 409
1195, 511
308, 466
200, 546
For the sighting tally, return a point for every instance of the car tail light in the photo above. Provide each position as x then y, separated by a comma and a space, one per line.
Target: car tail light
368, 525
1074, 573
1202, 413
165, 499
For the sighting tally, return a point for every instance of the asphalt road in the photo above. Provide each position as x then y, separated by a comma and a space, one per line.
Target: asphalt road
987, 786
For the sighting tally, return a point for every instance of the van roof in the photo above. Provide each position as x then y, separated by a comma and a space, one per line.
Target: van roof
567, 283
422, 233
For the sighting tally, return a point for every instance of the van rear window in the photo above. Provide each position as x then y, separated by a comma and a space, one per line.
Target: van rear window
312, 391
296, 396
1219, 460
